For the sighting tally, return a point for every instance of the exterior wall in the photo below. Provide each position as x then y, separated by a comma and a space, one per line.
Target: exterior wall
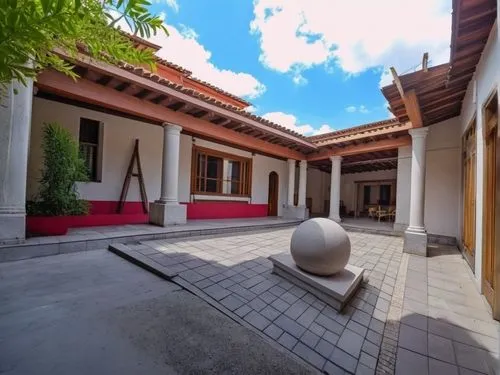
348, 185
485, 81
442, 181
403, 189
119, 135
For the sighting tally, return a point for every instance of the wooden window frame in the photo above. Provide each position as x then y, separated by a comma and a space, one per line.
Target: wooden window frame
245, 183
98, 147
469, 186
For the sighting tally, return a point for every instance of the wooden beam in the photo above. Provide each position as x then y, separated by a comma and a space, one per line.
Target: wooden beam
413, 109
425, 61
90, 92
397, 82
385, 144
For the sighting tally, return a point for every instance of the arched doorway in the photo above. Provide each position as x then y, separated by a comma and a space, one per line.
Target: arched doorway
272, 198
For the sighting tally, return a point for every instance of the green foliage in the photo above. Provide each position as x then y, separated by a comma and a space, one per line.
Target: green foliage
31, 32
62, 168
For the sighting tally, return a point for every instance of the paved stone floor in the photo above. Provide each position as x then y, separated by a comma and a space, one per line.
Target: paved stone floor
412, 315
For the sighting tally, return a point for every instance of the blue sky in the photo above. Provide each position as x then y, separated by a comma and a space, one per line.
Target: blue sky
313, 66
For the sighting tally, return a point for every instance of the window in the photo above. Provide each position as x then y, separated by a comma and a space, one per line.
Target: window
89, 146
385, 195
219, 173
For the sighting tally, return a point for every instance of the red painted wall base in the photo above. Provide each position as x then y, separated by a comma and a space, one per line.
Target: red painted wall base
224, 210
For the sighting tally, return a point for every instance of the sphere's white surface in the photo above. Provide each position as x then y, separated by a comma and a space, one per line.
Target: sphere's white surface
320, 246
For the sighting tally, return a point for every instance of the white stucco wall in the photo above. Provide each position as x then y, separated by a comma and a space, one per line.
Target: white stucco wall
118, 141
403, 188
485, 82
119, 136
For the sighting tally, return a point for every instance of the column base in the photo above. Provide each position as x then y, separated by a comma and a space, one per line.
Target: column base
299, 212
399, 227
164, 214
415, 242
12, 228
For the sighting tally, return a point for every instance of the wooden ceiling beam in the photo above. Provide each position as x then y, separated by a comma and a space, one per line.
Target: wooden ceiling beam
410, 101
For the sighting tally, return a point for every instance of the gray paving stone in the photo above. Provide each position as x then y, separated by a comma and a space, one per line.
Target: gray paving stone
309, 338
273, 331
217, 292
287, 340
261, 287
317, 329
331, 337
358, 328
308, 317
329, 324
202, 284
289, 297
377, 325
370, 348
350, 342
374, 337
410, 363
280, 305
361, 317
471, 357
290, 326
415, 320
267, 297
243, 310
226, 283
368, 360
441, 348
296, 309
257, 320
441, 368
324, 348
309, 355
253, 281
364, 370
332, 369
413, 339
277, 290
270, 312
344, 360
242, 292
257, 304
232, 302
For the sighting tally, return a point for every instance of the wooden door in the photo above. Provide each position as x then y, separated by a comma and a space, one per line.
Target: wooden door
469, 193
272, 199
490, 171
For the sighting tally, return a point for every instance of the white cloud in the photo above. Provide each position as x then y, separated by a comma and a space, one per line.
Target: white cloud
360, 109
173, 5
251, 109
355, 35
182, 47
291, 122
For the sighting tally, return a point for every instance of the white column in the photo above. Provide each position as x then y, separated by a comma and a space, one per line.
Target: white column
170, 164
335, 188
302, 183
415, 241
167, 210
417, 187
15, 124
291, 182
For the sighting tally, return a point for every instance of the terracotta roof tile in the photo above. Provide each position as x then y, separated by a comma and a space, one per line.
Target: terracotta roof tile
208, 99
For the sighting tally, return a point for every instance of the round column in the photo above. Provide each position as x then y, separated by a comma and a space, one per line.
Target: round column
15, 125
170, 164
417, 188
335, 188
291, 182
302, 183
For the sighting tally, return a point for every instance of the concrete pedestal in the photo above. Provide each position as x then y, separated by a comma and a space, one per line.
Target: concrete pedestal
335, 290
164, 214
415, 242
293, 212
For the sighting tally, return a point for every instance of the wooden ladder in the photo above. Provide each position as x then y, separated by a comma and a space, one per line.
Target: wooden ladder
128, 177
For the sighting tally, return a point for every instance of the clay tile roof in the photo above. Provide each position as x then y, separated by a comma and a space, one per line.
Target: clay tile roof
393, 122
171, 65
208, 99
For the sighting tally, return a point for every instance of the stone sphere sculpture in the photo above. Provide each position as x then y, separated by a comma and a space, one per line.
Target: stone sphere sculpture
320, 246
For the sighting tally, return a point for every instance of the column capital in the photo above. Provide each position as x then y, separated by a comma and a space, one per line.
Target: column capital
171, 128
335, 158
292, 161
303, 163
418, 132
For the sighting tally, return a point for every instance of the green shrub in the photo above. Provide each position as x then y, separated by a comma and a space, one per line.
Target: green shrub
62, 168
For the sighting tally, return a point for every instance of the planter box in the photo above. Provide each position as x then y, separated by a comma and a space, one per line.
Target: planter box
59, 225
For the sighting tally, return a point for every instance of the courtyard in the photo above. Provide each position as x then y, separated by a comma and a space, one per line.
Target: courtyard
412, 315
